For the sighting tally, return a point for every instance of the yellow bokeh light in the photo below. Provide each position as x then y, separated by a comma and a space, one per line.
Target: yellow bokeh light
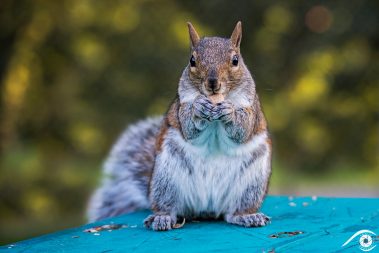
39, 203
308, 90
123, 18
313, 136
91, 52
16, 84
278, 19
86, 138
321, 62
82, 13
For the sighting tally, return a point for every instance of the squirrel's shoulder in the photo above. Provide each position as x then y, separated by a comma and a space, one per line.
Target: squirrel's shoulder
170, 120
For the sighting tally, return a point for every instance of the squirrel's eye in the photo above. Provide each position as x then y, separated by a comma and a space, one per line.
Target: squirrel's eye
235, 60
192, 61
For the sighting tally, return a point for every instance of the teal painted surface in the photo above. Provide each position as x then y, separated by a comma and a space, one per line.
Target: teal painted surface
325, 223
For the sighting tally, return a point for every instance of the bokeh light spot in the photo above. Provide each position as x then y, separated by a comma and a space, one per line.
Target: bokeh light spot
319, 19
278, 19
308, 90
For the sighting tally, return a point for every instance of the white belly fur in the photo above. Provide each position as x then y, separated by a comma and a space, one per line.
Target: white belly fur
216, 184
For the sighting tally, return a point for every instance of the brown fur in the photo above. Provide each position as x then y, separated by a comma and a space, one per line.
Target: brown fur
170, 120
172, 114
161, 136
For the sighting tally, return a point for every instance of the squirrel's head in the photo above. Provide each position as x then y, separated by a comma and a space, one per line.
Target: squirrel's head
215, 64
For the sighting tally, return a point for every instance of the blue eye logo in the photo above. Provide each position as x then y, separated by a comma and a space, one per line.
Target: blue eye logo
366, 242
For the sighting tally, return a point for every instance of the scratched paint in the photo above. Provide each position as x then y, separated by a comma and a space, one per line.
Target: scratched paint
286, 234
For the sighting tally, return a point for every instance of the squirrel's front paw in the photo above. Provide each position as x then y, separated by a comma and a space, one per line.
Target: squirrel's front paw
202, 107
223, 111
159, 222
248, 220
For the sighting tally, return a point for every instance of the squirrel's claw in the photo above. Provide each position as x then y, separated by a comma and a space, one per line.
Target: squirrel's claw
249, 220
159, 222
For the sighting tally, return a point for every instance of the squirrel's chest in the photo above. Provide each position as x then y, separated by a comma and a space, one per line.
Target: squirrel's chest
214, 139
212, 186
208, 182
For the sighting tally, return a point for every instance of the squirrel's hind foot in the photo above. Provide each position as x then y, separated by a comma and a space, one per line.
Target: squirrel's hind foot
248, 220
159, 222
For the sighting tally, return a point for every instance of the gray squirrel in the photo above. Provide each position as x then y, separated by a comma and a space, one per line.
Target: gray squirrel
209, 156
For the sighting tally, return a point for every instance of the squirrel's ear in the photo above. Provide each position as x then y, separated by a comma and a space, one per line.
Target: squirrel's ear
193, 35
237, 35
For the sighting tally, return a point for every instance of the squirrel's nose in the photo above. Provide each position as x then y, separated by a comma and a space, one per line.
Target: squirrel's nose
213, 84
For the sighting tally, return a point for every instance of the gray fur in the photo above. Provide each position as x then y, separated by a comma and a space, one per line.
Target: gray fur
176, 150
164, 193
125, 185
249, 220
160, 222
193, 118
254, 156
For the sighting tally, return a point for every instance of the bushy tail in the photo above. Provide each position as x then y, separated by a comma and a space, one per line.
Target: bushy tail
127, 173
116, 198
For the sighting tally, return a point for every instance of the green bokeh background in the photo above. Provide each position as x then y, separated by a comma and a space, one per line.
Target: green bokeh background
75, 73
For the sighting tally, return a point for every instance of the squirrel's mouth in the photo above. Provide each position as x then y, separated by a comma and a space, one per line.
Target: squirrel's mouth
210, 93
211, 90
214, 92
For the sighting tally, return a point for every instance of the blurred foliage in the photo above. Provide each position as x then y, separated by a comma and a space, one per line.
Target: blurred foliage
75, 73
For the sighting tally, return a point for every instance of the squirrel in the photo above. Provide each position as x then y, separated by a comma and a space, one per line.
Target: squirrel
208, 157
